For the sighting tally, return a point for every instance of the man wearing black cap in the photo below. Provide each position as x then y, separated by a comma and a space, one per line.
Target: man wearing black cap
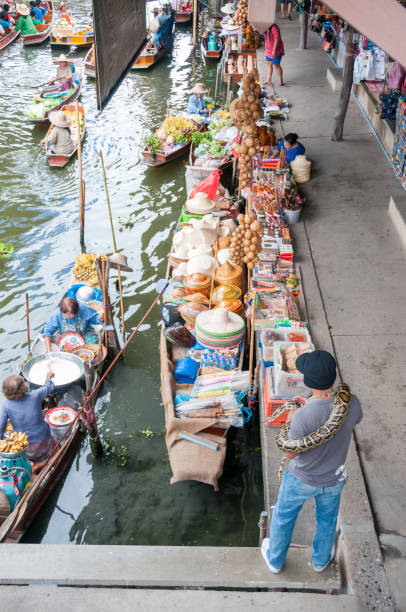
318, 473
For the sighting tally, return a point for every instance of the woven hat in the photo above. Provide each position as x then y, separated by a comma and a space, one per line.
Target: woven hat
118, 259
60, 119
199, 88
23, 9
60, 59
200, 204
228, 9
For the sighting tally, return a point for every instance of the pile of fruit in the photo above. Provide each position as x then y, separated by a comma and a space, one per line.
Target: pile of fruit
177, 127
85, 269
16, 442
222, 114
246, 241
241, 15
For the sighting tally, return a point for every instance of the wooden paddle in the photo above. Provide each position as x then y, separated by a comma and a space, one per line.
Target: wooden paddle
27, 314
37, 153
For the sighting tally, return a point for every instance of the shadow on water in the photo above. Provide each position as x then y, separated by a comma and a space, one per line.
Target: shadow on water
125, 497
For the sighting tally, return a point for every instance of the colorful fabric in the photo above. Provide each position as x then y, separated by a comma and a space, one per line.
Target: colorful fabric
271, 36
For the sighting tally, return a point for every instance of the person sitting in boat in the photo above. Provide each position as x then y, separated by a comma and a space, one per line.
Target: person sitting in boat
291, 146
41, 6
153, 28
196, 104
24, 409
69, 316
64, 73
64, 14
59, 139
6, 19
36, 13
25, 23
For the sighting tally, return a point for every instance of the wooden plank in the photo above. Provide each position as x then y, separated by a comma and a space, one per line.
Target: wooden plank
159, 566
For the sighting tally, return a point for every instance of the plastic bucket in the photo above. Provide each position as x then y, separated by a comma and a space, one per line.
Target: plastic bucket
292, 216
59, 420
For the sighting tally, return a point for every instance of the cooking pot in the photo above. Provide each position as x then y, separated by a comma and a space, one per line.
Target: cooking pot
60, 358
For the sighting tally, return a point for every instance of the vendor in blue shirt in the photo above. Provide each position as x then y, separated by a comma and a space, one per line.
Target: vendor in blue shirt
35, 11
196, 104
69, 316
291, 146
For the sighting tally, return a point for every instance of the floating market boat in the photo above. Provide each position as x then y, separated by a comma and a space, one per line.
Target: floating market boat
7, 38
43, 29
151, 54
51, 99
90, 65
61, 160
211, 46
158, 151
72, 38
69, 407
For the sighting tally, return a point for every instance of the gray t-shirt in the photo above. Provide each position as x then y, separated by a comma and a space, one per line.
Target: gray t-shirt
323, 466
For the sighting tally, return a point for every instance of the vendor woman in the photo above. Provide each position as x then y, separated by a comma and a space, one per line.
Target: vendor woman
291, 146
196, 104
69, 316
24, 409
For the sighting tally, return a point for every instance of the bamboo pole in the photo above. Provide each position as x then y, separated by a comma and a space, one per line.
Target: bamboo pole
195, 4
81, 190
27, 314
251, 362
120, 284
304, 24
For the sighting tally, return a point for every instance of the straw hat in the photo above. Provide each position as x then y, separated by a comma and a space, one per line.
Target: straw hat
200, 204
23, 9
228, 9
199, 88
60, 59
118, 259
60, 119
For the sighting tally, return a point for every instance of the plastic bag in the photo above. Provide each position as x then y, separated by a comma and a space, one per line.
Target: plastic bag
186, 371
395, 76
209, 185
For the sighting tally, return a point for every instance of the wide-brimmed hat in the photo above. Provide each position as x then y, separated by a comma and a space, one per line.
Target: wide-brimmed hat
228, 9
60, 119
60, 59
23, 9
199, 88
200, 204
318, 369
118, 259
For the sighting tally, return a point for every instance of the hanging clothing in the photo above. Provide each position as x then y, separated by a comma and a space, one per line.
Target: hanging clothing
379, 63
364, 67
270, 37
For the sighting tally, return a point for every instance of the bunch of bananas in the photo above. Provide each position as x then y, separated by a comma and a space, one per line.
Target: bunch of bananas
15, 443
174, 125
85, 270
222, 114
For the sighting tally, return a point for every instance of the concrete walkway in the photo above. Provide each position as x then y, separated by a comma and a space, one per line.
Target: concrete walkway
353, 267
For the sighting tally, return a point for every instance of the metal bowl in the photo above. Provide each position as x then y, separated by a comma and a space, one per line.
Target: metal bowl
59, 356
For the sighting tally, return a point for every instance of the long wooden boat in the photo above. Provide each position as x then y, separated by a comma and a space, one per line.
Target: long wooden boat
60, 161
90, 66
68, 99
77, 38
209, 54
14, 525
43, 29
149, 57
183, 17
160, 158
7, 38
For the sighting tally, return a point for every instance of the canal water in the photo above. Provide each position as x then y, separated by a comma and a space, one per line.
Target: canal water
124, 498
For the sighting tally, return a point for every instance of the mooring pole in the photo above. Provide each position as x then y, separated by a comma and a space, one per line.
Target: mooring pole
81, 186
195, 4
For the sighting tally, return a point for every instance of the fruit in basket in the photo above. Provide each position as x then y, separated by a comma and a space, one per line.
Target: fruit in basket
85, 269
14, 443
175, 125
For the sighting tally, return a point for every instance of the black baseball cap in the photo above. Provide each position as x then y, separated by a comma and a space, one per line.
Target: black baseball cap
318, 368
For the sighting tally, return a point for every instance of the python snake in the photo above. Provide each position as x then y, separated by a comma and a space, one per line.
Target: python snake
324, 433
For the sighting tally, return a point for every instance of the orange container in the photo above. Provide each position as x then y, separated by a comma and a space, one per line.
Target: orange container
273, 404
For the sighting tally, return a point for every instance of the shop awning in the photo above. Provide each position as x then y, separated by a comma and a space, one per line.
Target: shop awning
120, 33
382, 22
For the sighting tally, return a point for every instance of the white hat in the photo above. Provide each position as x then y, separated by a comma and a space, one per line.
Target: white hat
23, 9
61, 58
200, 249
205, 264
199, 88
200, 204
84, 293
118, 259
60, 119
180, 252
221, 321
228, 9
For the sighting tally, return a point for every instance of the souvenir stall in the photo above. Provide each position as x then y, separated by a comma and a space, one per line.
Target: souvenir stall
399, 146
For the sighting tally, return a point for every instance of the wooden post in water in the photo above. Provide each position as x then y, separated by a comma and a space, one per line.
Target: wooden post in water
195, 5
81, 189
92, 429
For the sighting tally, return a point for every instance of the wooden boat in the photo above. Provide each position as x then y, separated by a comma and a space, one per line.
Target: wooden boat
209, 54
160, 158
76, 38
61, 160
70, 98
90, 66
183, 17
43, 29
14, 525
7, 38
150, 57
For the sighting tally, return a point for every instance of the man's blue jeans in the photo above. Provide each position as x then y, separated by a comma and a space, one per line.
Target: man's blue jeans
292, 495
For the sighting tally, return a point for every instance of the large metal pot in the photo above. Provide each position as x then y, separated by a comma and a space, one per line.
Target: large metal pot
59, 389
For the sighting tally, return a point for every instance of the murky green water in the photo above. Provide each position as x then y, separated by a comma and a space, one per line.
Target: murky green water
102, 502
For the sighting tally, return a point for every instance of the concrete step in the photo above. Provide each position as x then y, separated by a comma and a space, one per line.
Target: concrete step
159, 566
63, 599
